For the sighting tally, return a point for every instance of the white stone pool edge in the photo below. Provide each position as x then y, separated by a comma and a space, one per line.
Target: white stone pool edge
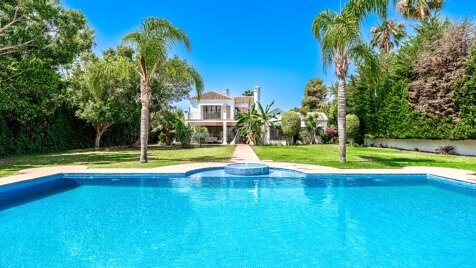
29, 174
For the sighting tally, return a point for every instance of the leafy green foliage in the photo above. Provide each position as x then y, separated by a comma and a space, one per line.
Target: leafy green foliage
165, 123
352, 128
151, 43
248, 93
30, 55
39, 40
314, 94
103, 91
200, 135
383, 103
254, 122
184, 134
290, 124
312, 130
387, 35
419, 9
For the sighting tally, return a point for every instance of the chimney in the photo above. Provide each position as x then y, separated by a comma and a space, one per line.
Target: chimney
226, 92
257, 94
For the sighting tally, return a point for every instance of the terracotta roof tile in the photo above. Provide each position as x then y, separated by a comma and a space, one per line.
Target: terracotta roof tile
244, 99
213, 95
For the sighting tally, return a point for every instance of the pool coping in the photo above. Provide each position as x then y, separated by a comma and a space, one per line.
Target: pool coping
186, 169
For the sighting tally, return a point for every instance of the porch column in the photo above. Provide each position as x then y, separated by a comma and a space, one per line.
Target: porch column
224, 133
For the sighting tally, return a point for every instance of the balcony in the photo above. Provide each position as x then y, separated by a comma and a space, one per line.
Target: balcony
210, 116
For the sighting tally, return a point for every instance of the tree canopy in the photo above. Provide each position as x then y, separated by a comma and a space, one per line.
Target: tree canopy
315, 94
104, 91
290, 124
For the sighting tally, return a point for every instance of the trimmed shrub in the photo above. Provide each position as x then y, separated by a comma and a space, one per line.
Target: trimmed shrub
291, 124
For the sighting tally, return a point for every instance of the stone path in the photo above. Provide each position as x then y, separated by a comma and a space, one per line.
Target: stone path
244, 153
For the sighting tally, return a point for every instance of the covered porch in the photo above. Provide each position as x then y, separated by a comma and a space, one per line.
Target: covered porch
220, 132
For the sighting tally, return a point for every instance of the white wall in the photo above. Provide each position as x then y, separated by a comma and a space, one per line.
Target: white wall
464, 147
196, 107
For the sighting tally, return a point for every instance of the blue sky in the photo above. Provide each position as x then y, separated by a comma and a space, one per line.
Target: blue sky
238, 44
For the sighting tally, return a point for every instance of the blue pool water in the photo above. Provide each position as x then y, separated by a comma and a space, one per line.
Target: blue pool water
285, 219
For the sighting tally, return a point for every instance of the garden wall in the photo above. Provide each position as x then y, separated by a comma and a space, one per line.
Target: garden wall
462, 147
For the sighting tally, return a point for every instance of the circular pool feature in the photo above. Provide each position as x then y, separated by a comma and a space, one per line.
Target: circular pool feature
247, 169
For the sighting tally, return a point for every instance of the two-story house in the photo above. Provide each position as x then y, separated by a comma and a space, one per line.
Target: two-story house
216, 111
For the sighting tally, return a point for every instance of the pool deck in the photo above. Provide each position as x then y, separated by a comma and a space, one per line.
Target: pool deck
29, 174
243, 154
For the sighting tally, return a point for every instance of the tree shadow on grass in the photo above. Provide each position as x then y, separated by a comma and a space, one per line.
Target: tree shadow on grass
396, 162
109, 157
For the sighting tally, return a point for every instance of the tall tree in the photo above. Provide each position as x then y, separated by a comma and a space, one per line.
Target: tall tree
315, 93
37, 38
339, 37
152, 42
103, 91
419, 9
387, 35
439, 66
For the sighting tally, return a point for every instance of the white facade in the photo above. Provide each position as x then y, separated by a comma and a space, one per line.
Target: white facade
217, 111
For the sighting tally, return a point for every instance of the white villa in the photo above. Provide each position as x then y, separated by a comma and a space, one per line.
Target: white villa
216, 111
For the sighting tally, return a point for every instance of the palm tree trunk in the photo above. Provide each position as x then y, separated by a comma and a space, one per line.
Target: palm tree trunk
341, 121
144, 119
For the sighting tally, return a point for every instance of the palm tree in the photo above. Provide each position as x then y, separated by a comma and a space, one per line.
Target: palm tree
387, 35
249, 124
255, 122
248, 93
152, 42
339, 37
312, 127
266, 119
165, 122
419, 9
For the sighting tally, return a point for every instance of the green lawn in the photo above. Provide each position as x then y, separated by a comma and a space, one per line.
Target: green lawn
117, 158
361, 157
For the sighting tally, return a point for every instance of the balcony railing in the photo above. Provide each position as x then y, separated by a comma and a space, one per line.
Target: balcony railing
208, 116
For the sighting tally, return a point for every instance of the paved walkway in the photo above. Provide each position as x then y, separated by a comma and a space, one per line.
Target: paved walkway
244, 153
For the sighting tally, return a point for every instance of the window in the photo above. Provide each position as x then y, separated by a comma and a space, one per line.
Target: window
275, 134
212, 112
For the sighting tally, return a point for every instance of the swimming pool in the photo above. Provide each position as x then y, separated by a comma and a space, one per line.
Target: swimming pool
209, 219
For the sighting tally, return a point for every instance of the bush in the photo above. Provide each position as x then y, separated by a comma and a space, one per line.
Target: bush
200, 135
448, 149
400, 103
290, 124
305, 136
58, 132
352, 128
184, 134
329, 135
